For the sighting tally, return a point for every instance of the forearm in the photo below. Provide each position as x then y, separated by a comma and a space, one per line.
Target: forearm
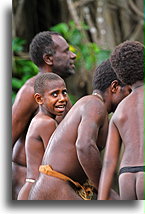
90, 161
105, 184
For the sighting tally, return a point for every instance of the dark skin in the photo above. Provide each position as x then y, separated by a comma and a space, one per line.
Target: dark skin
74, 149
25, 107
41, 128
126, 127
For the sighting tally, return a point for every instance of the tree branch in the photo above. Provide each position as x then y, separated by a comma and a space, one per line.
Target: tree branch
135, 9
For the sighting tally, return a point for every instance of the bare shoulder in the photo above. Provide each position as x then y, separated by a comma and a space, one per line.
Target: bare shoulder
43, 123
92, 101
28, 86
48, 122
123, 109
25, 96
93, 108
94, 105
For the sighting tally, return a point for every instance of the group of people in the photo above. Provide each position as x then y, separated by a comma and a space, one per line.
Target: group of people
57, 147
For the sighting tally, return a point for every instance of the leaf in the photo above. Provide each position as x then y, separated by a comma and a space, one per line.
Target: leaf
17, 44
103, 55
16, 83
61, 28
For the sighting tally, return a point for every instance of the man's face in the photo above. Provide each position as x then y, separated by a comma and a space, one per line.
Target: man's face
63, 59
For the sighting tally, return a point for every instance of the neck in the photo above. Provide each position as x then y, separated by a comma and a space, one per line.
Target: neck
98, 94
105, 97
44, 69
44, 111
136, 85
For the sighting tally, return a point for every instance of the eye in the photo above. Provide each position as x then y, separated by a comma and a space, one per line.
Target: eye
54, 94
64, 92
66, 50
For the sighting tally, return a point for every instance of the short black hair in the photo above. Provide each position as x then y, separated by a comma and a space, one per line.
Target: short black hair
42, 44
42, 81
127, 61
104, 75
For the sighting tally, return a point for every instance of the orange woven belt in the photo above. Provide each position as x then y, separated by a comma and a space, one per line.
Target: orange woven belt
47, 169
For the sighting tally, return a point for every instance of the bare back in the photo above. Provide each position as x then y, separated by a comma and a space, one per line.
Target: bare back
129, 120
87, 120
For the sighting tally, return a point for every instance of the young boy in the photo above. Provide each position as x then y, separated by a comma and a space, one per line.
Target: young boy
51, 96
126, 127
73, 153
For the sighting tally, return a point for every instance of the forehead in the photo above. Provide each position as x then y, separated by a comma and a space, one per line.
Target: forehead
55, 84
60, 42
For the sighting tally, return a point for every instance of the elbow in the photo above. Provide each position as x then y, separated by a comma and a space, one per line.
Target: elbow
84, 147
79, 147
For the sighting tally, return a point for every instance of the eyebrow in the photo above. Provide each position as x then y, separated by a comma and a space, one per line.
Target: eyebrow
66, 48
57, 90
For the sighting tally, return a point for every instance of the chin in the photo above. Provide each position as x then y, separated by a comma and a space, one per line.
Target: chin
70, 72
60, 114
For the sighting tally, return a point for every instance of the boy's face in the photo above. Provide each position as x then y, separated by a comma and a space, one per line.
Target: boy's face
63, 59
55, 98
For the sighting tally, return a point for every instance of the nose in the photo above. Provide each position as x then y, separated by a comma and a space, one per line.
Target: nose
72, 55
62, 98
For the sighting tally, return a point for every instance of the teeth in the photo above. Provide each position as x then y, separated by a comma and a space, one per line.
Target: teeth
60, 106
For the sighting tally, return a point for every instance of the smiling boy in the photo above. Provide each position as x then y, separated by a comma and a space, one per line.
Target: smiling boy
51, 96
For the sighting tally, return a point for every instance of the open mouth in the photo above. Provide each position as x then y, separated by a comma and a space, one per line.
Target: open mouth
60, 108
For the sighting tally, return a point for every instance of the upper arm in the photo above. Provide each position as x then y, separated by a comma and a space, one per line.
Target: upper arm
47, 129
113, 144
89, 126
22, 111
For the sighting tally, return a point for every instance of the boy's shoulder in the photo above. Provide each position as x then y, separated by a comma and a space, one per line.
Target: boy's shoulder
43, 119
41, 124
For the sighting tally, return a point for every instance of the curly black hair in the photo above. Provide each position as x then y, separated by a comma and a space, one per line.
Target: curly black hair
42, 81
104, 75
127, 61
41, 44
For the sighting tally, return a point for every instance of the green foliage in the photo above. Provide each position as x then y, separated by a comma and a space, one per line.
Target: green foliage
103, 55
17, 44
22, 67
72, 98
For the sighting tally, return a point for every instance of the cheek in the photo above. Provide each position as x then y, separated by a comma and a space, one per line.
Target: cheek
67, 99
49, 103
61, 59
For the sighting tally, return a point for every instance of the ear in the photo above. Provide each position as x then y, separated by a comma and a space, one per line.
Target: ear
114, 86
48, 59
38, 98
